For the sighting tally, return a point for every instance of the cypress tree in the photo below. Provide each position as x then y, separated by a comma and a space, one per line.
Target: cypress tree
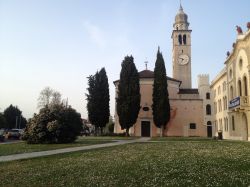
129, 97
161, 106
102, 99
98, 99
91, 99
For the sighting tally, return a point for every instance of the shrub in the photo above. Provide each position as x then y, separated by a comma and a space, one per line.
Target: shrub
55, 124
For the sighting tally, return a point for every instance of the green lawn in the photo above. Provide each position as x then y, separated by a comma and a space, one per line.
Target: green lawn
22, 147
165, 163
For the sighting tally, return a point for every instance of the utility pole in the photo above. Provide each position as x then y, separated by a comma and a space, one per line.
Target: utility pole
19, 121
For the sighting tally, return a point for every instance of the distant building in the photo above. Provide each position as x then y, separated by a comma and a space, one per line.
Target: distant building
231, 91
191, 109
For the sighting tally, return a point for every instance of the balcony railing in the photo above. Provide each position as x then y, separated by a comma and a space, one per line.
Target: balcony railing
239, 102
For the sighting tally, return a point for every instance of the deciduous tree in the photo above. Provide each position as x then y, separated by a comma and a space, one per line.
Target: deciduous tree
49, 97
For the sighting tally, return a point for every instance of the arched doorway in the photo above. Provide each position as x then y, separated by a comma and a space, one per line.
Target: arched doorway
245, 127
209, 129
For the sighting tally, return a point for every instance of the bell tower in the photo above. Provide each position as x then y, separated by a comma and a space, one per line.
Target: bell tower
181, 52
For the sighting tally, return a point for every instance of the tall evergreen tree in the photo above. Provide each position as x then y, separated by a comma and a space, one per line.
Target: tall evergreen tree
14, 117
129, 97
3, 123
161, 106
91, 104
98, 99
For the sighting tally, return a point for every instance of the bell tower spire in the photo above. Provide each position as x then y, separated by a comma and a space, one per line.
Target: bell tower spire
181, 6
181, 37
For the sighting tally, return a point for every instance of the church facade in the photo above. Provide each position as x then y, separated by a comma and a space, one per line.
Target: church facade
191, 108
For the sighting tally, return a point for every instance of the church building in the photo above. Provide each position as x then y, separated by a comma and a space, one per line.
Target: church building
191, 111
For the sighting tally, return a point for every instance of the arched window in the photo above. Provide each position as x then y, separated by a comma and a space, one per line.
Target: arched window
209, 123
226, 103
208, 109
239, 88
207, 95
240, 63
225, 127
227, 123
233, 125
219, 105
180, 39
230, 74
245, 85
220, 124
184, 39
231, 92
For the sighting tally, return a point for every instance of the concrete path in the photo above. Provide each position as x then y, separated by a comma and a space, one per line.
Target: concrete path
66, 150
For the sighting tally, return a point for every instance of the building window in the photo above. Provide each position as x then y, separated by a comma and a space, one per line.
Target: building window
219, 103
230, 74
226, 103
184, 39
208, 109
233, 125
220, 123
219, 90
224, 86
215, 107
239, 88
231, 92
180, 39
240, 63
208, 95
192, 125
227, 124
209, 123
245, 85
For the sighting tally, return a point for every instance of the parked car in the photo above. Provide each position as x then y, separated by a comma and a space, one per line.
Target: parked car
13, 134
21, 131
2, 135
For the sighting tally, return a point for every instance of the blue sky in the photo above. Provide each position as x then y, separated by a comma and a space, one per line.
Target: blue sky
58, 43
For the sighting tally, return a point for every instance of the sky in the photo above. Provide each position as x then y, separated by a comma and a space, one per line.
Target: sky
59, 43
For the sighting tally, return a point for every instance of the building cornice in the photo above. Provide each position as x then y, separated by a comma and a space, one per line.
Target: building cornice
241, 38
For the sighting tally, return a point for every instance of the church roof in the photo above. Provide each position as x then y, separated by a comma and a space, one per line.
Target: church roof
188, 91
149, 75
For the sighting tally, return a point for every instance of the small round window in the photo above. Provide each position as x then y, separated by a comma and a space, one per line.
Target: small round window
145, 109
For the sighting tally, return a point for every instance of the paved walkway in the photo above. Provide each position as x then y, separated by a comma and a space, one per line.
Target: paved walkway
66, 150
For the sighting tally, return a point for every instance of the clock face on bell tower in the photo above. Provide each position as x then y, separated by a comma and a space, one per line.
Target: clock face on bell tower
181, 37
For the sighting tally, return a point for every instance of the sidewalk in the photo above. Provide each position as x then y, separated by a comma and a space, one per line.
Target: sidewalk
67, 150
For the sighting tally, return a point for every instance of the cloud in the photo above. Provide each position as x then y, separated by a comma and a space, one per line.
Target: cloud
95, 33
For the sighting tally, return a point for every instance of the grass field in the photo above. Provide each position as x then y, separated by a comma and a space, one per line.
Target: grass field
22, 147
164, 163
